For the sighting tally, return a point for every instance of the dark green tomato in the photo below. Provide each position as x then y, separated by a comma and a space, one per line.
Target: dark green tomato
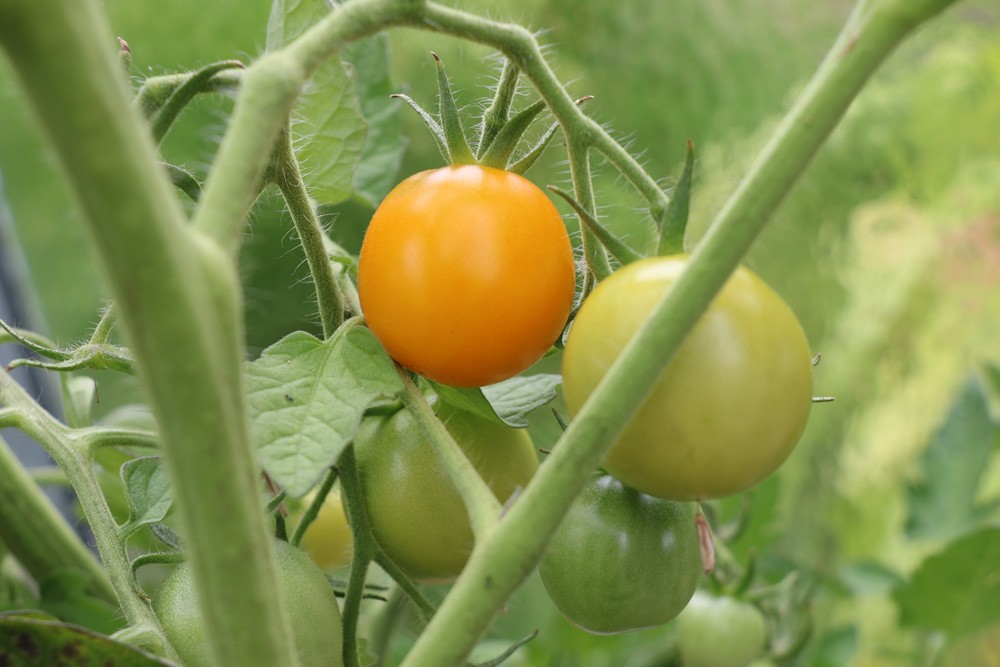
416, 513
312, 607
622, 560
720, 632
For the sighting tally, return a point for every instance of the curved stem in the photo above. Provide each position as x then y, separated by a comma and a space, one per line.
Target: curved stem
288, 178
482, 506
58, 441
314, 507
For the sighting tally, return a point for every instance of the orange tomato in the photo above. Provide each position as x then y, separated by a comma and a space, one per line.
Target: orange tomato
466, 274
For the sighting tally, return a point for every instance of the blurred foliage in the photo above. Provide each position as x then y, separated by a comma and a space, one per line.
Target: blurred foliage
889, 250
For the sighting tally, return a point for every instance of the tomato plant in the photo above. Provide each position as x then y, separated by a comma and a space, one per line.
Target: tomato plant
415, 511
622, 560
311, 604
466, 274
720, 632
328, 539
731, 404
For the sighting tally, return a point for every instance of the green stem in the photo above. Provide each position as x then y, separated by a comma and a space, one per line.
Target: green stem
59, 442
34, 531
314, 507
190, 361
482, 506
269, 89
156, 90
583, 187
363, 552
495, 116
288, 178
500, 563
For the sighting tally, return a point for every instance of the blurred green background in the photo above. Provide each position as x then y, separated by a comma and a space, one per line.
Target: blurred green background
888, 249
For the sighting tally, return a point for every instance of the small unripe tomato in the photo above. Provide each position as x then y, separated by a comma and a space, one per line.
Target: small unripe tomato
312, 608
416, 513
720, 632
329, 539
466, 274
622, 560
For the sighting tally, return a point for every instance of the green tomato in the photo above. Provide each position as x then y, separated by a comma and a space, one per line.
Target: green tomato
731, 404
416, 513
312, 607
720, 632
622, 560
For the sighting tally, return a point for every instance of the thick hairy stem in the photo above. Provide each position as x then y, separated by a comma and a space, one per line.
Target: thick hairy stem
288, 178
179, 306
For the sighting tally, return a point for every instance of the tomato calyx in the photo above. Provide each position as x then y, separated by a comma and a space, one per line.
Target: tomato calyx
499, 133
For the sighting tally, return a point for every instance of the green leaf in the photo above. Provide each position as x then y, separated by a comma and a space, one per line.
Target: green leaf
329, 125
957, 590
835, 648
64, 595
34, 642
862, 578
291, 18
147, 488
509, 401
384, 144
513, 399
306, 398
943, 503
675, 218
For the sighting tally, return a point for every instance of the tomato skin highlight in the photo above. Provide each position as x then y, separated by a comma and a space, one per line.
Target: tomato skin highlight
731, 404
466, 274
312, 607
622, 560
416, 513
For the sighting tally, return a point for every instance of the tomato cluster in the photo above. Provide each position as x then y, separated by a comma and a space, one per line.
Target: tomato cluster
466, 277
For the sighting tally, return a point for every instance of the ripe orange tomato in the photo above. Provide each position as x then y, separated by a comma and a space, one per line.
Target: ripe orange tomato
466, 274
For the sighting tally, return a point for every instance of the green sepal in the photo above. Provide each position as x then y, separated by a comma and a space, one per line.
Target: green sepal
435, 128
89, 355
509, 135
183, 94
458, 146
495, 116
675, 218
525, 162
183, 180
618, 248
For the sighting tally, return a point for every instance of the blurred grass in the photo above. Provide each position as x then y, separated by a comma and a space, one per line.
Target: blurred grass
888, 249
